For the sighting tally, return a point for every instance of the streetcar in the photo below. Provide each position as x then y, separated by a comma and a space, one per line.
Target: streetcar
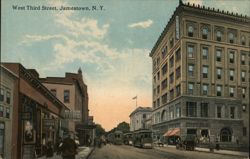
143, 138
128, 138
118, 138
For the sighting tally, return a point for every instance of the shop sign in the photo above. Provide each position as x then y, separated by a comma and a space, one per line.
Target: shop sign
75, 115
48, 122
26, 116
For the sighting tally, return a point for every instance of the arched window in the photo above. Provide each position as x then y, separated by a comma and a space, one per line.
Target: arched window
204, 33
231, 37
225, 135
163, 115
190, 31
218, 35
243, 40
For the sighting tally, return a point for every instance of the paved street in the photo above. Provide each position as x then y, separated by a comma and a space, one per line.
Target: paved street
129, 152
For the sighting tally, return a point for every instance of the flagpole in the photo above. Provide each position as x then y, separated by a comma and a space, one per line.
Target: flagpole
136, 102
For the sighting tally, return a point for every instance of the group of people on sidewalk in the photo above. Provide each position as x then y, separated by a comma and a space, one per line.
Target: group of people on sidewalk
67, 148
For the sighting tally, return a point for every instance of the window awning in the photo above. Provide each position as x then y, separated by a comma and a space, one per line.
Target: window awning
168, 132
175, 132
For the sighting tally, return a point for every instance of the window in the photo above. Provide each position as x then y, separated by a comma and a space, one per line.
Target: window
204, 33
231, 57
191, 109
53, 91
158, 75
7, 113
178, 72
243, 92
8, 97
171, 94
171, 42
205, 71
164, 69
66, 96
231, 37
1, 111
154, 92
218, 35
158, 61
244, 131
190, 88
178, 90
178, 110
243, 40
243, 56
205, 89
231, 91
243, 76
171, 61
219, 90
154, 104
190, 31
164, 84
219, 114
218, 71
231, 74
171, 78
244, 108
190, 69
204, 53
204, 109
232, 112
164, 98
164, 52
178, 55
190, 51
154, 79
225, 135
218, 55
1, 95
158, 102
158, 89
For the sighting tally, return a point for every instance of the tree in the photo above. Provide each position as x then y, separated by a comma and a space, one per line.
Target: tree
99, 130
123, 126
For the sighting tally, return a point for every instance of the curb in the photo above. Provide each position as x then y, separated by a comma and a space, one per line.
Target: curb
90, 153
222, 153
212, 152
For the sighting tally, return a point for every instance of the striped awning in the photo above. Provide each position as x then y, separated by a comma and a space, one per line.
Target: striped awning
173, 132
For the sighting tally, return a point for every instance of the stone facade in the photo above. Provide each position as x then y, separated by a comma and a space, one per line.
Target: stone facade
7, 141
201, 75
139, 117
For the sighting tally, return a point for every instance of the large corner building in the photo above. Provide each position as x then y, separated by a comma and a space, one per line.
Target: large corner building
201, 76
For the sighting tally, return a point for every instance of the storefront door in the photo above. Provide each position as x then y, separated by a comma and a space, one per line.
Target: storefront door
2, 140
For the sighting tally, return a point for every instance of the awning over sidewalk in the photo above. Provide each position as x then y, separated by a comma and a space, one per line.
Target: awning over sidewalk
173, 132
168, 132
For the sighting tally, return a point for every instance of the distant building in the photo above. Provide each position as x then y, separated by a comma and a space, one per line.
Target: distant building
8, 141
201, 76
36, 112
72, 91
138, 118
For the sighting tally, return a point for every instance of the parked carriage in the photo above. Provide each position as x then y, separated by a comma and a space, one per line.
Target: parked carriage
143, 138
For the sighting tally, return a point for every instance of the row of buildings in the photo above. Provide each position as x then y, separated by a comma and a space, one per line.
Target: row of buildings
35, 111
201, 77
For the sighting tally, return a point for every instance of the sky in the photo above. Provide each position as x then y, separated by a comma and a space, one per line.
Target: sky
111, 45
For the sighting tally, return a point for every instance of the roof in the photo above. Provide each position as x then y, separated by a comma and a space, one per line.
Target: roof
200, 10
141, 109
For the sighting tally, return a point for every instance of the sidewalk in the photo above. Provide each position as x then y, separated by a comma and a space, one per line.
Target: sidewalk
225, 152
83, 153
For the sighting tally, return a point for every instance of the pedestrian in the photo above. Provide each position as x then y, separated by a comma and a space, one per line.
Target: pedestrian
49, 149
68, 148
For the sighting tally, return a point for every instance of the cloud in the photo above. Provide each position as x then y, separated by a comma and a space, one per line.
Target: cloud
143, 24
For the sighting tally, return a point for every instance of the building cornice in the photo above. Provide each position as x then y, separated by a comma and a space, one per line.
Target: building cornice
202, 10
